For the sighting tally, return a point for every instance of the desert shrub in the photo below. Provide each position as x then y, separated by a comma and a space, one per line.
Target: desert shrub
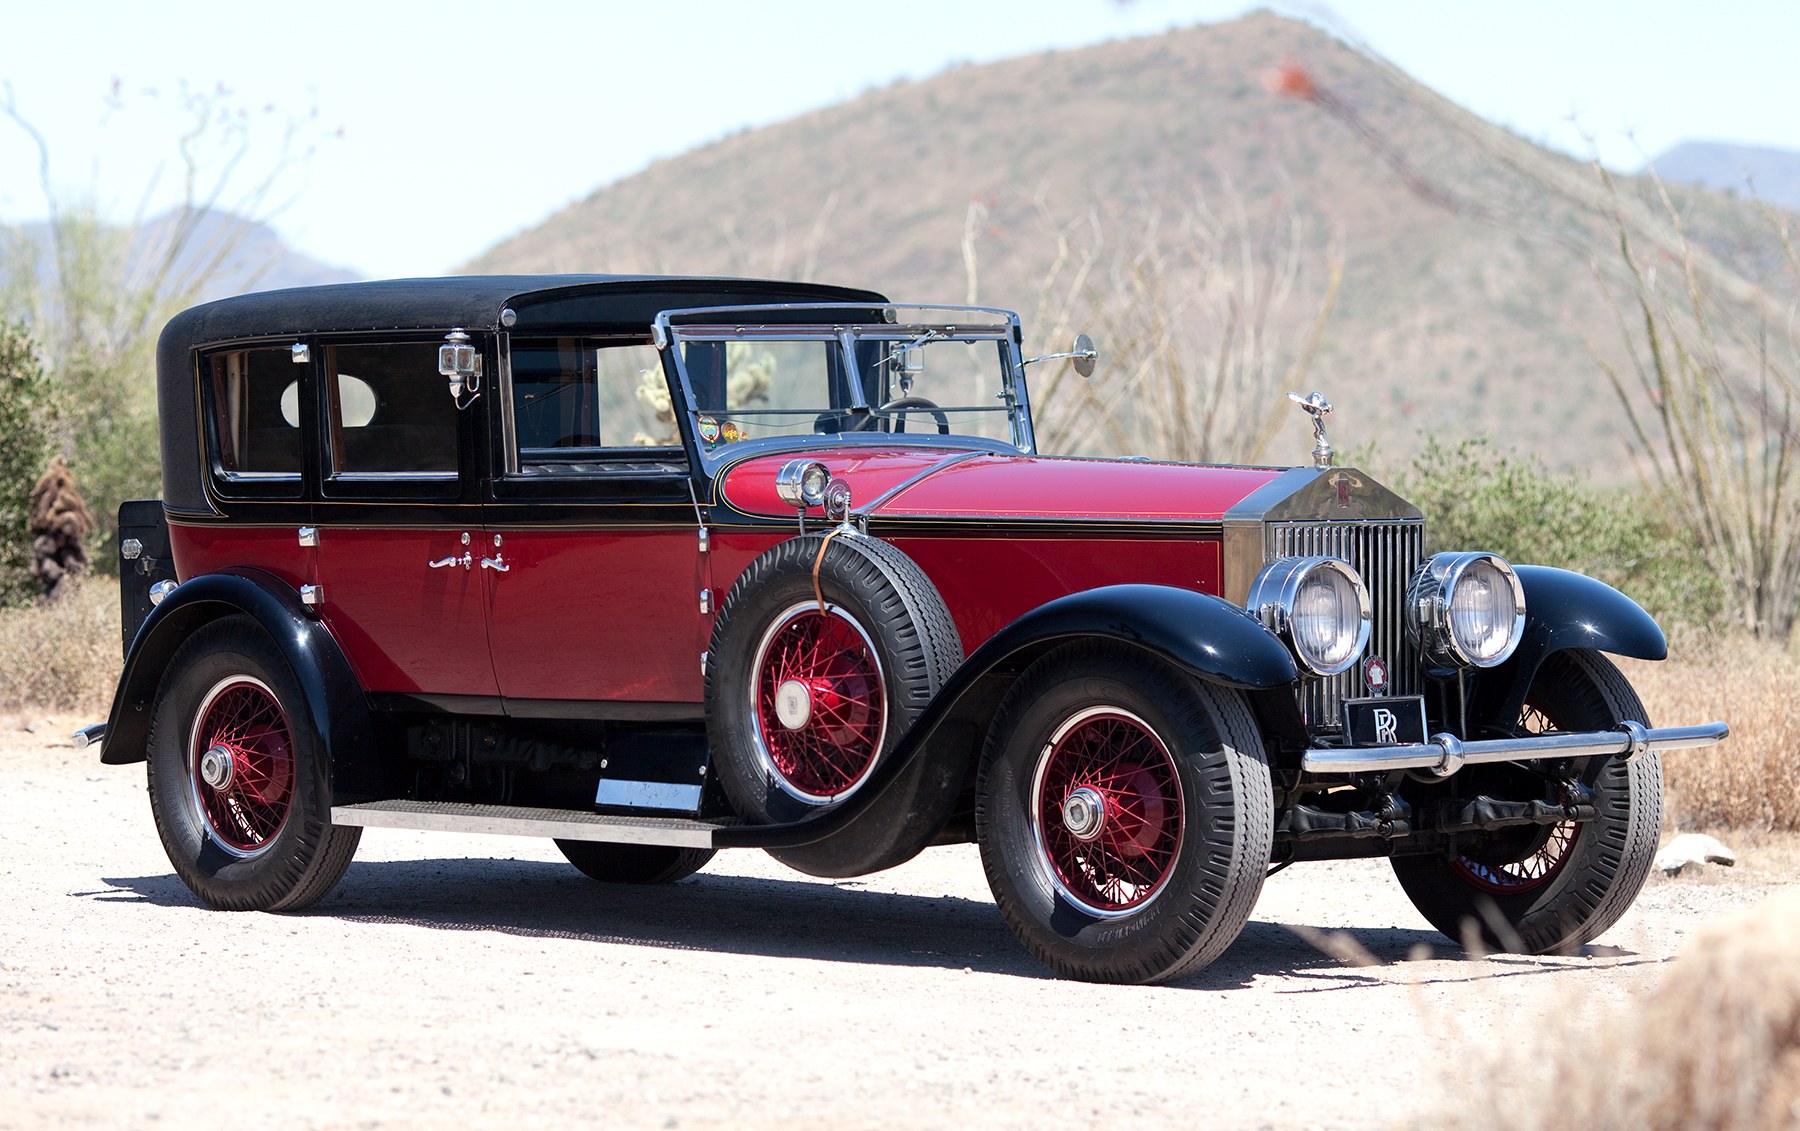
27, 418
1475, 498
1716, 1045
64, 655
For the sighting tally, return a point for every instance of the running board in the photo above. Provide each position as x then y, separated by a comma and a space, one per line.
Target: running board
515, 820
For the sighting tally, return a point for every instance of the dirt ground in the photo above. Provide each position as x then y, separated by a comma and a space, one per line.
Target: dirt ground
482, 982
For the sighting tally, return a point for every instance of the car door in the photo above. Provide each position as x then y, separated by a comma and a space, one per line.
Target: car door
398, 524
598, 610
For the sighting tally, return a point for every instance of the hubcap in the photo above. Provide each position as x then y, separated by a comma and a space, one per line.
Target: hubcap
793, 704
1106, 812
1084, 812
216, 767
818, 707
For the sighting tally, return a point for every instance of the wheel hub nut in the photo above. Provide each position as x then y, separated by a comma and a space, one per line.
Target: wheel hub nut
793, 704
1084, 812
216, 766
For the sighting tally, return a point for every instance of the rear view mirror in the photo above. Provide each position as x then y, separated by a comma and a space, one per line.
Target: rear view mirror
1085, 355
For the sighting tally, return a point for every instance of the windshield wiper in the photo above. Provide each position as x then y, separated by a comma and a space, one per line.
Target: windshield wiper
929, 336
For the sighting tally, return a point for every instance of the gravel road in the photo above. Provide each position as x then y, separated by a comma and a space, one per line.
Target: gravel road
482, 982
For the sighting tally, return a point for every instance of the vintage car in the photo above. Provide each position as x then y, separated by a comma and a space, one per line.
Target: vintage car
659, 566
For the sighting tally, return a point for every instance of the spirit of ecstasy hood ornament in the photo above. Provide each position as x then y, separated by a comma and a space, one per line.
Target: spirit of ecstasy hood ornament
1318, 408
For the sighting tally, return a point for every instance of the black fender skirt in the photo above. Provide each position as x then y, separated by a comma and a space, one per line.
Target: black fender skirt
335, 705
1563, 610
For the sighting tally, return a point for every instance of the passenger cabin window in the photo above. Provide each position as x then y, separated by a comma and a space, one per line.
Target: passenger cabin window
389, 412
256, 437
578, 400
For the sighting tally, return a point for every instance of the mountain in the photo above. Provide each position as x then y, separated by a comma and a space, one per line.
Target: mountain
1220, 174
1772, 175
226, 254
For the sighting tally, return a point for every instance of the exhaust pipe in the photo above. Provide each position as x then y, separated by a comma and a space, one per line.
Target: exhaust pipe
94, 735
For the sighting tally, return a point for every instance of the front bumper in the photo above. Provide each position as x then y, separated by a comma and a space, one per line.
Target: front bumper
1445, 754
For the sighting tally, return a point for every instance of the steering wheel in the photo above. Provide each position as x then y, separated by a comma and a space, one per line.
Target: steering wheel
926, 403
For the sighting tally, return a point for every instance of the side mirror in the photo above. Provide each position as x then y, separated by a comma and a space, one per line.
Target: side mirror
1085, 355
460, 363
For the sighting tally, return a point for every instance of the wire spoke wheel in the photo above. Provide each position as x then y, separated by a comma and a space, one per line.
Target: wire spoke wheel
1107, 812
818, 702
1124, 812
1550, 888
241, 763
1516, 868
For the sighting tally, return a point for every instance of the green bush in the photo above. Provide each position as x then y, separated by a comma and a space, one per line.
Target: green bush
1476, 499
27, 422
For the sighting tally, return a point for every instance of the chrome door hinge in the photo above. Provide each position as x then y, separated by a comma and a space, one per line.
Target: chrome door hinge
312, 596
309, 536
705, 601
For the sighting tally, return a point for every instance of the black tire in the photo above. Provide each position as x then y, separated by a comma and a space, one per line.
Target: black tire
261, 838
634, 863
1549, 890
865, 667
1165, 880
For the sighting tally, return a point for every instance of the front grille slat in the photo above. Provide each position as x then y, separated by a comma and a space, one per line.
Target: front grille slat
1385, 554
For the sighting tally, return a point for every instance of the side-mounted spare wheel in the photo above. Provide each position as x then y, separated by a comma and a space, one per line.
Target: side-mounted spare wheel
238, 783
818, 664
1548, 889
1125, 814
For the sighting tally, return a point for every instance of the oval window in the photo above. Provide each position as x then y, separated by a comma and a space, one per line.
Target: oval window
356, 398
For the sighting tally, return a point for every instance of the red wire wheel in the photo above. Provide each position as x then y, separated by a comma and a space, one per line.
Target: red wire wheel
1537, 860
1525, 874
818, 702
1107, 811
241, 763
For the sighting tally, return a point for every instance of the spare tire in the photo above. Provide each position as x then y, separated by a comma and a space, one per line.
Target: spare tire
808, 688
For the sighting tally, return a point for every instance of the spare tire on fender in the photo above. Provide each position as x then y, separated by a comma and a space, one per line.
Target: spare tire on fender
811, 680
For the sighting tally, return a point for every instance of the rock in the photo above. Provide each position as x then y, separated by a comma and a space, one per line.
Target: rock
1693, 850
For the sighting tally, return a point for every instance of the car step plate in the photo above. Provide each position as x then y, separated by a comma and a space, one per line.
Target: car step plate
516, 820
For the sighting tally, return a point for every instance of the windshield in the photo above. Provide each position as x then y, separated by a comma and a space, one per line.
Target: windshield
955, 376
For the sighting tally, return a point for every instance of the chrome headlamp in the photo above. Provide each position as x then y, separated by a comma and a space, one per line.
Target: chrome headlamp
801, 483
1465, 610
1318, 606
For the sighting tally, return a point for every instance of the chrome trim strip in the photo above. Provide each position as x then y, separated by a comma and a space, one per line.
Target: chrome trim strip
1445, 753
512, 820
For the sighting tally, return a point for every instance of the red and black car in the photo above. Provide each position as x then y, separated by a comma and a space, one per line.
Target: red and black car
659, 566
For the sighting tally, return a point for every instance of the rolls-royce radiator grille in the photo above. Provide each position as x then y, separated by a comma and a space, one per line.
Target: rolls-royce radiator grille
1385, 554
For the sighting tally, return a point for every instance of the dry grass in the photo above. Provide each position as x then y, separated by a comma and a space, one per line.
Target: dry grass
1752, 780
62, 657
1716, 1045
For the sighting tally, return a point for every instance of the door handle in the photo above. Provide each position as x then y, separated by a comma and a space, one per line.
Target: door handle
497, 563
444, 563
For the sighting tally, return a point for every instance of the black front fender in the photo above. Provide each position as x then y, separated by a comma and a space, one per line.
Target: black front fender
1205, 635
1563, 610
335, 707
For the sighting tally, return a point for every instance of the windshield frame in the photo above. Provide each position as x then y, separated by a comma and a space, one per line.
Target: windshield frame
846, 326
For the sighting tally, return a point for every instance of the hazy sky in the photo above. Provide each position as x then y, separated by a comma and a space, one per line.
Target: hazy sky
441, 128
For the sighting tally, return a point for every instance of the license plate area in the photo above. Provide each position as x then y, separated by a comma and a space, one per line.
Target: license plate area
1390, 720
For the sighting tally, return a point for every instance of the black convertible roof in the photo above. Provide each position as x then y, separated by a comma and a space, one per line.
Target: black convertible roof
474, 302
605, 304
